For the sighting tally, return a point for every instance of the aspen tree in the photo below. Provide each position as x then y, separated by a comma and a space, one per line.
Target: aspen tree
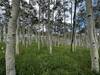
11, 38
91, 34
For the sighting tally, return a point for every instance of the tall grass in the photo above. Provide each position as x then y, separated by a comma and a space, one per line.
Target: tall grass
32, 61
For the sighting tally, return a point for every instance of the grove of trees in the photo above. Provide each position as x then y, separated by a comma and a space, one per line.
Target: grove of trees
49, 25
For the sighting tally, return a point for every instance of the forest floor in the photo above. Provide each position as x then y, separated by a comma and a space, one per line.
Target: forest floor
32, 61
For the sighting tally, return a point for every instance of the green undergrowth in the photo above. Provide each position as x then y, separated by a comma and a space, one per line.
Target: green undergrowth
32, 61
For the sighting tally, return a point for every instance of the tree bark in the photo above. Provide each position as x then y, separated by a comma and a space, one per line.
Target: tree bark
11, 38
49, 29
17, 39
73, 41
4, 33
93, 38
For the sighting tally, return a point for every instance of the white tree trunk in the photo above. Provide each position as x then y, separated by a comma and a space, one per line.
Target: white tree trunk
4, 33
94, 46
38, 41
11, 38
17, 40
50, 43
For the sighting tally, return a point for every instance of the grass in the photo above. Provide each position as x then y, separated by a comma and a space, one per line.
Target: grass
32, 61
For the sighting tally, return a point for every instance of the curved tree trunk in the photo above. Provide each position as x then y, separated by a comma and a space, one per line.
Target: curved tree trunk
11, 38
